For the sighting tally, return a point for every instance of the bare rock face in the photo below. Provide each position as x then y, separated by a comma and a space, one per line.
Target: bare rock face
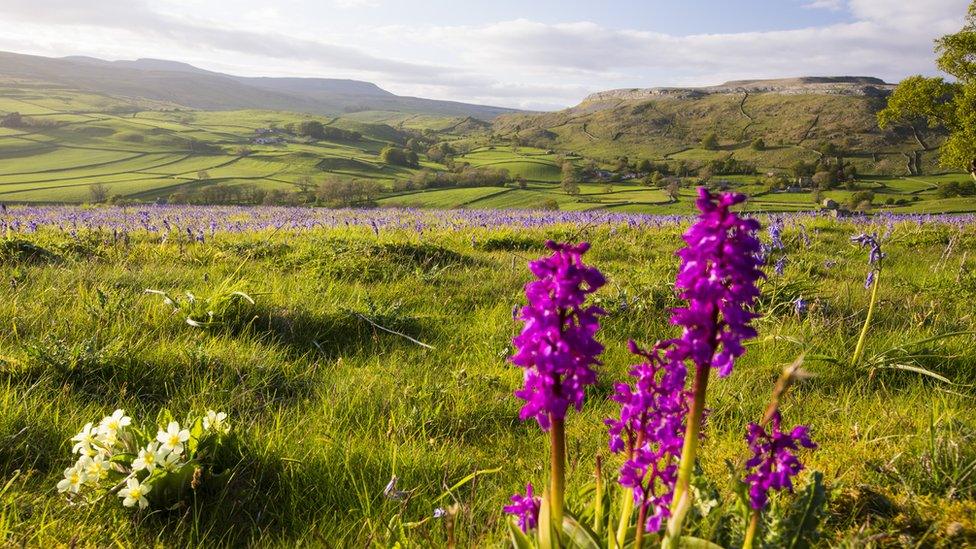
815, 85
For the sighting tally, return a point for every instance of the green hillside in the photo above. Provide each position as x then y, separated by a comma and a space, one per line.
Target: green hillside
671, 128
75, 146
189, 86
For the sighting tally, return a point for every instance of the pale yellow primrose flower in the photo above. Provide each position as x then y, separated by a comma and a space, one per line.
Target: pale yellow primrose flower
96, 468
107, 438
170, 461
74, 477
135, 494
215, 421
84, 440
173, 438
149, 458
115, 422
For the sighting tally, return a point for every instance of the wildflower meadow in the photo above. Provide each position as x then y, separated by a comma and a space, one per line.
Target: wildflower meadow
223, 376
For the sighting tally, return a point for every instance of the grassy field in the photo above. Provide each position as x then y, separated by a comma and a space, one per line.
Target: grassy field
326, 406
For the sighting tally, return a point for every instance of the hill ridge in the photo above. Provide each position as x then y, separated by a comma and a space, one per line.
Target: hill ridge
804, 85
195, 88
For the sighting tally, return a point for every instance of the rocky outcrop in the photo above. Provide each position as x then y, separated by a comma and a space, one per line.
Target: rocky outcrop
816, 85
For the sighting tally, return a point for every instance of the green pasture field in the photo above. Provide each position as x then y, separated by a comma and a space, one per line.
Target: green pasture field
130, 146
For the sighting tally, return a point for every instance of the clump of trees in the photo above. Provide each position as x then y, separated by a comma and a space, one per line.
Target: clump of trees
16, 120
861, 201
396, 156
935, 103
462, 175
441, 152
338, 193
829, 171
775, 182
710, 141
12, 120
222, 193
729, 166
313, 129
953, 189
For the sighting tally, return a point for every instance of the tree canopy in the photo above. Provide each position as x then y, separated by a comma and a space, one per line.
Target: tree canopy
941, 104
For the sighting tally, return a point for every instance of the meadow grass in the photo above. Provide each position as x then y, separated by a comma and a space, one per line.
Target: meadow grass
326, 407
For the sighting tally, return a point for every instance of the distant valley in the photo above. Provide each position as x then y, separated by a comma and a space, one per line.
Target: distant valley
156, 130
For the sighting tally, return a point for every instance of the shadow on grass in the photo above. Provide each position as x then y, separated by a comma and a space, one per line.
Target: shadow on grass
339, 333
258, 495
91, 370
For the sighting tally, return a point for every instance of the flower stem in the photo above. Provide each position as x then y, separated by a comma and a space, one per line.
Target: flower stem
681, 502
557, 488
641, 519
751, 531
859, 349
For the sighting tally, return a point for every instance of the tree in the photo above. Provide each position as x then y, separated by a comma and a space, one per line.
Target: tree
861, 200
396, 156
305, 184
12, 120
939, 104
758, 144
549, 204
97, 192
440, 151
623, 164
203, 175
570, 179
802, 169
823, 180
645, 166
948, 189
673, 189
657, 178
311, 128
829, 149
710, 141
570, 187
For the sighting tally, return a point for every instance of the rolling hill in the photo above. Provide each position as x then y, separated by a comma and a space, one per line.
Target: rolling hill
189, 86
792, 116
145, 145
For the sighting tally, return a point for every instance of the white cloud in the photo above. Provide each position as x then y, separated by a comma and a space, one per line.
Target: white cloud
832, 5
352, 4
518, 63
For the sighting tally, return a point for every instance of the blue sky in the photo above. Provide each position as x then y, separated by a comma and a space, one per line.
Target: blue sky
541, 54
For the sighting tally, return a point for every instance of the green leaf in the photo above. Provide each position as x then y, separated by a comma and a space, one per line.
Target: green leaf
196, 433
544, 531
457, 485
798, 529
243, 296
688, 542
122, 458
163, 418
518, 537
917, 370
578, 534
